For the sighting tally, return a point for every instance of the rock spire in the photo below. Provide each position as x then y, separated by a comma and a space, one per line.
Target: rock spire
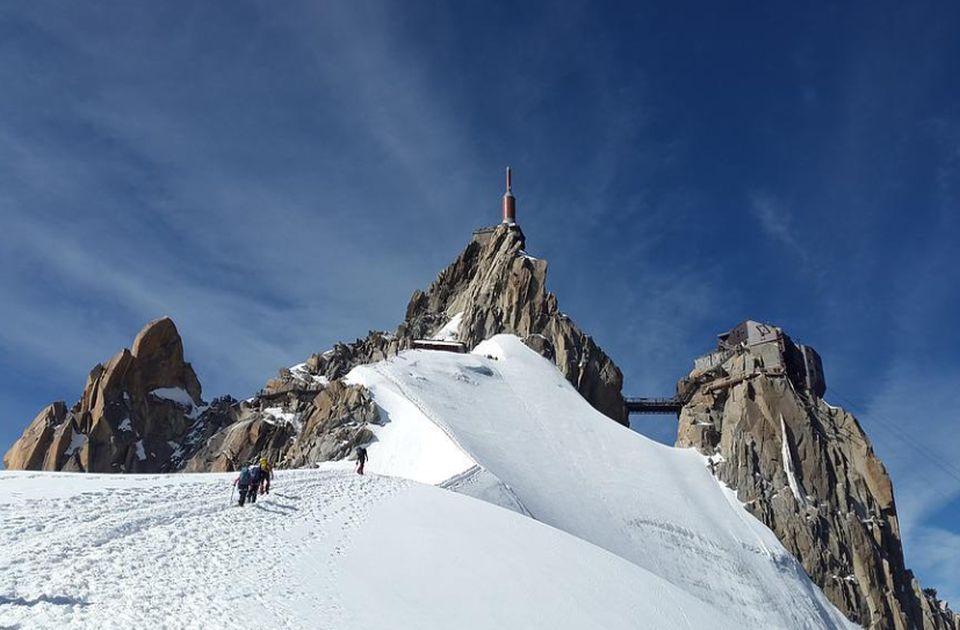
139, 412
807, 470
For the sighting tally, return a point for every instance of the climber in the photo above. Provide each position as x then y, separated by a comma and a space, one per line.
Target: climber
266, 472
361, 459
242, 482
255, 477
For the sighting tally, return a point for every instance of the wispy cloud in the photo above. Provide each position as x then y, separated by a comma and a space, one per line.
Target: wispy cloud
935, 554
147, 198
776, 222
912, 423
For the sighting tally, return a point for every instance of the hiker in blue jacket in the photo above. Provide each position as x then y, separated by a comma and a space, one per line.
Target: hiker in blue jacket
242, 482
255, 478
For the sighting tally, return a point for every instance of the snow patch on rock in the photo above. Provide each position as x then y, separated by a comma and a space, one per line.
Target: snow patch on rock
788, 466
449, 331
77, 441
174, 394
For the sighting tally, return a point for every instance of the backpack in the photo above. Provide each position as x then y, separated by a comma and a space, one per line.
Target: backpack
254, 472
244, 476
362, 454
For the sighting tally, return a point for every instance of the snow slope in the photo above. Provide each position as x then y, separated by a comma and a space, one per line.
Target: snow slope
327, 549
409, 445
572, 468
625, 532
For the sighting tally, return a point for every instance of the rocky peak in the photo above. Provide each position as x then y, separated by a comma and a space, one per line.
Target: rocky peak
137, 413
495, 287
492, 287
808, 471
307, 414
158, 350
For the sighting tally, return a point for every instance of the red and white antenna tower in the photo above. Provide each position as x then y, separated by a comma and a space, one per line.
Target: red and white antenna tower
509, 203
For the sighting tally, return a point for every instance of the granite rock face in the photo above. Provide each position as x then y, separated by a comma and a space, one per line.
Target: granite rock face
293, 430
44, 441
807, 470
492, 287
495, 287
140, 412
335, 425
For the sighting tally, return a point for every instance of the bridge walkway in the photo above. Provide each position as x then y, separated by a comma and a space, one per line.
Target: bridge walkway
654, 405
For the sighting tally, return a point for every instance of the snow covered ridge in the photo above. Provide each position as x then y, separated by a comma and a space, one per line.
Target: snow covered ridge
544, 451
603, 528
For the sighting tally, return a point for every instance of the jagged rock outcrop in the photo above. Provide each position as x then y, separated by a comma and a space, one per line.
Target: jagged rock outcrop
492, 287
293, 432
140, 412
806, 470
254, 435
335, 426
495, 287
44, 441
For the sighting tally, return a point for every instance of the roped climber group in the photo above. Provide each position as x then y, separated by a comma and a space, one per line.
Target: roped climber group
255, 478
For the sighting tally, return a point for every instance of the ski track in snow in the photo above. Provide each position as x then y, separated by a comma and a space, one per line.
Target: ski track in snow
124, 554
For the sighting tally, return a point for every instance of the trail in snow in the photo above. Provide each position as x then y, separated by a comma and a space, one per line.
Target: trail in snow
409, 445
421, 447
326, 549
570, 467
128, 552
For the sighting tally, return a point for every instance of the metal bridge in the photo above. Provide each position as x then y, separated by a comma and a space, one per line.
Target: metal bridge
654, 405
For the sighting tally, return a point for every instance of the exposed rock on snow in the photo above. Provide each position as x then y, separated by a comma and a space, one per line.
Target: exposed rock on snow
241, 442
337, 424
494, 288
130, 412
328, 427
44, 441
151, 393
807, 470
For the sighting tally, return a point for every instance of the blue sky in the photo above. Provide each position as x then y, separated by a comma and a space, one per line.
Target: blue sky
280, 176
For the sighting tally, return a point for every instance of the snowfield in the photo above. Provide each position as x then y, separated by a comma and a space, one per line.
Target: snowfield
326, 549
625, 532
